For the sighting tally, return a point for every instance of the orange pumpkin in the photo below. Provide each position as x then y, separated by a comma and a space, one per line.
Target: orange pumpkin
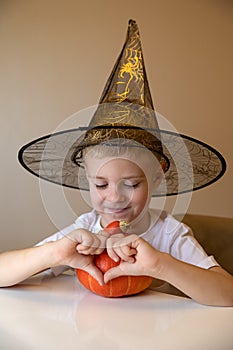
117, 287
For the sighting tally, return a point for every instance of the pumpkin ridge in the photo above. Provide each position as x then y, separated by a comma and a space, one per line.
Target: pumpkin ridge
90, 280
110, 288
129, 285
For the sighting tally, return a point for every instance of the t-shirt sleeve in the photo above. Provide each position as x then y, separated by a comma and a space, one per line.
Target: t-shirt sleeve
184, 246
58, 235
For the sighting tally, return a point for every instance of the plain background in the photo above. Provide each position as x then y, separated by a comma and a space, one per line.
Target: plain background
55, 57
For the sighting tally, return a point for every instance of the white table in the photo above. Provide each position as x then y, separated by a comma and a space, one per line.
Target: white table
47, 313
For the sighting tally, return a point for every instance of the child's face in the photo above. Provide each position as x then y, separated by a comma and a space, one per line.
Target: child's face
119, 189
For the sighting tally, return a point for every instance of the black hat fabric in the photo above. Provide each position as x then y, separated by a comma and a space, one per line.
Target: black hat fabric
125, 115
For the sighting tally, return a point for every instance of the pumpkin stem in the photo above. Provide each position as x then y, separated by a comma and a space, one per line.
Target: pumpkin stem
117, 227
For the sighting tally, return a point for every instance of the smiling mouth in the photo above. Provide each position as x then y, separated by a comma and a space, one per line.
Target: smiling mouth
116, 210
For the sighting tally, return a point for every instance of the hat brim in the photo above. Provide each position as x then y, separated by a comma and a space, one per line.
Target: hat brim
193, 164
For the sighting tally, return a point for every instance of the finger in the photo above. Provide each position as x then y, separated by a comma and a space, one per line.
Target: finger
96, 273
102, 236
121, 241
90, 240
112, 239
95, 245
128, 240
103, 233
112, 273
97, 251
110, 246
124, 248
83, 250
125, 253
84, 237
136, 242
112, 254
88, 250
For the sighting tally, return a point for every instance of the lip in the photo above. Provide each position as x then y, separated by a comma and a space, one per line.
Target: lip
115, 210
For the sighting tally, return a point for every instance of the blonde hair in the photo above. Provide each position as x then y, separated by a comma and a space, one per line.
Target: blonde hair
140, 155
132, 150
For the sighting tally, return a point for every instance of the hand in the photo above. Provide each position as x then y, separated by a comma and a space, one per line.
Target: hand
146, 260
92, 243
119, 247
77, 250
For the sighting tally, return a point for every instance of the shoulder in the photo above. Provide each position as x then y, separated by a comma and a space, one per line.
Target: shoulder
89, 221
174, 237
164, 229
166, 223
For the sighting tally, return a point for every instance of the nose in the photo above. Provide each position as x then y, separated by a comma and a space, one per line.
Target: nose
116, 193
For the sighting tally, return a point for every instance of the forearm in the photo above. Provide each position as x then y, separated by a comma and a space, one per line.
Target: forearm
205, 286
16, 266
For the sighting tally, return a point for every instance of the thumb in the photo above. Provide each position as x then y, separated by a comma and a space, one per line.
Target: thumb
96, 273
113, 273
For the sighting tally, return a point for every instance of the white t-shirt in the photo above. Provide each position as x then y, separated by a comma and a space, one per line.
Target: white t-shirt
165, 233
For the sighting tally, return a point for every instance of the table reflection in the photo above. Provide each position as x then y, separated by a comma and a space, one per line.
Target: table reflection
56, 313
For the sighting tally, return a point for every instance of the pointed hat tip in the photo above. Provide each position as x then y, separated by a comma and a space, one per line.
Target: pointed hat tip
132, 21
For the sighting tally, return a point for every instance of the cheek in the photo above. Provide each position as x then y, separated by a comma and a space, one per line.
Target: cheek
141, 196
92, 192
95, 195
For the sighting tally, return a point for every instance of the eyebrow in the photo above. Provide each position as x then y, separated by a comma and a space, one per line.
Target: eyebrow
123, 178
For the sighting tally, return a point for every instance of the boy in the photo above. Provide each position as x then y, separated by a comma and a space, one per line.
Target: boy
124, 159
120, 189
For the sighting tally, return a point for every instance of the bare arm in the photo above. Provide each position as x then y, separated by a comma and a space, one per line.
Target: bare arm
211, 287
17, 265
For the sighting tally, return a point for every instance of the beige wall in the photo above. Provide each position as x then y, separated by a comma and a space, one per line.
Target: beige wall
55, 57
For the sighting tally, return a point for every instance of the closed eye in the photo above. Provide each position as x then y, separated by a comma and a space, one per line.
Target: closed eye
132, 185
101, 186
